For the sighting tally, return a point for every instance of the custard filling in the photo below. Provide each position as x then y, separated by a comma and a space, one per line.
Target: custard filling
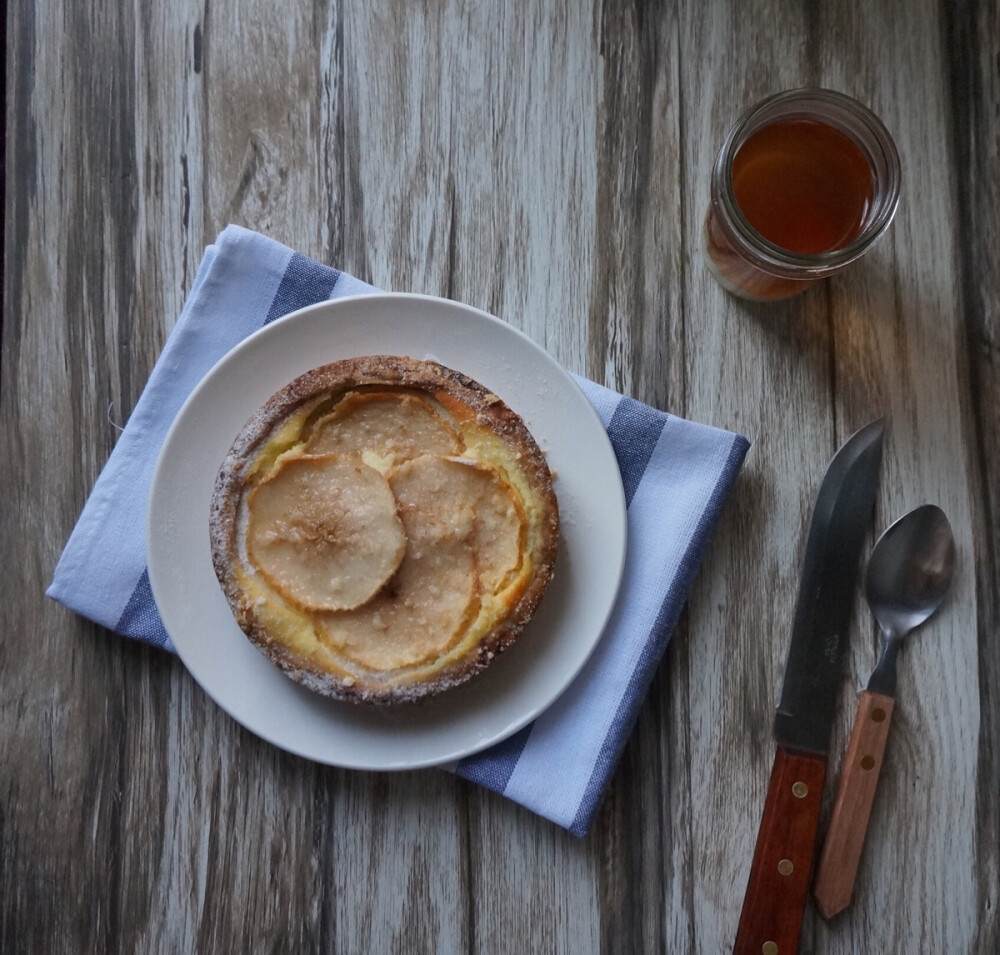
383, 535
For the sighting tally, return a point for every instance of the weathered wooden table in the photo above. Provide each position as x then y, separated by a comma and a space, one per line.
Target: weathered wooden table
548, 162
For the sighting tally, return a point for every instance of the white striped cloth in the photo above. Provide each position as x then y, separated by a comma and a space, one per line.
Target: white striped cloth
676, 476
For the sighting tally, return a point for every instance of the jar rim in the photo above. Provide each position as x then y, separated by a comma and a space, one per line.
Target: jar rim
846, 115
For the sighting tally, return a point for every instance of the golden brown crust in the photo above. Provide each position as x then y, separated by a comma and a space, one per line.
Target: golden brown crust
475, 410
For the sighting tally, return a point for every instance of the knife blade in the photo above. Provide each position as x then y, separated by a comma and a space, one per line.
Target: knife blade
771, 918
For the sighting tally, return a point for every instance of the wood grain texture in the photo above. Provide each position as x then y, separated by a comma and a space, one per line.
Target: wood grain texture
549, 163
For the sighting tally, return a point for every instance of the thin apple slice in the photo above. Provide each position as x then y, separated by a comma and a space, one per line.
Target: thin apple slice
386, 428
447, 490
324, 532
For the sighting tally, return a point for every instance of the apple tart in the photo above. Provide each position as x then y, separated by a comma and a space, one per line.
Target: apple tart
383, 527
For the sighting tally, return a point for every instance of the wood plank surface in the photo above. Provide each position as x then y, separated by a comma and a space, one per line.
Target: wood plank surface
550, 164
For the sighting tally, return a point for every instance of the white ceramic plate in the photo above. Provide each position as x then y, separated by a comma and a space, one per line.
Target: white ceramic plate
520, 684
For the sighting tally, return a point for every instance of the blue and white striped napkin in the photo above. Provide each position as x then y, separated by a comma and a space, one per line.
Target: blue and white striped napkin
676, 475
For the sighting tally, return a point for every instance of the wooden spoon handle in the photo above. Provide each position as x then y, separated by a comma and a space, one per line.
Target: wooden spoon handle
838, 862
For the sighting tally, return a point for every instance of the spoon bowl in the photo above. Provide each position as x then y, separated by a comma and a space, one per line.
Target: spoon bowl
909, 574
911, 569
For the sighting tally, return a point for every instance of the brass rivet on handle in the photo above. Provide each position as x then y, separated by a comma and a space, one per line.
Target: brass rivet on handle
769, 948
867, 762
785, 867
800, 790
878, 714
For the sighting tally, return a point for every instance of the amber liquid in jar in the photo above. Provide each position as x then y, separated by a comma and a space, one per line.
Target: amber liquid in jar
803, 185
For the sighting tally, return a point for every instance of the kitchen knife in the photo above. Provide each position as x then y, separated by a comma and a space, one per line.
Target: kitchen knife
771, 918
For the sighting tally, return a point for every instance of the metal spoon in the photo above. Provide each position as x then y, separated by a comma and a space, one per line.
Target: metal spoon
909, 574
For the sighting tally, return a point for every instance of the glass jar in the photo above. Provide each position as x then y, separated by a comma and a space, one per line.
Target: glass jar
752, 266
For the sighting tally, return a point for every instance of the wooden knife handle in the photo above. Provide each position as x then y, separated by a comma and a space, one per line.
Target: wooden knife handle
782, 861
838, 863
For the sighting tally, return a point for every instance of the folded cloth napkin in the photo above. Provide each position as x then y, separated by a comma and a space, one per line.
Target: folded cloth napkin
676, 476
